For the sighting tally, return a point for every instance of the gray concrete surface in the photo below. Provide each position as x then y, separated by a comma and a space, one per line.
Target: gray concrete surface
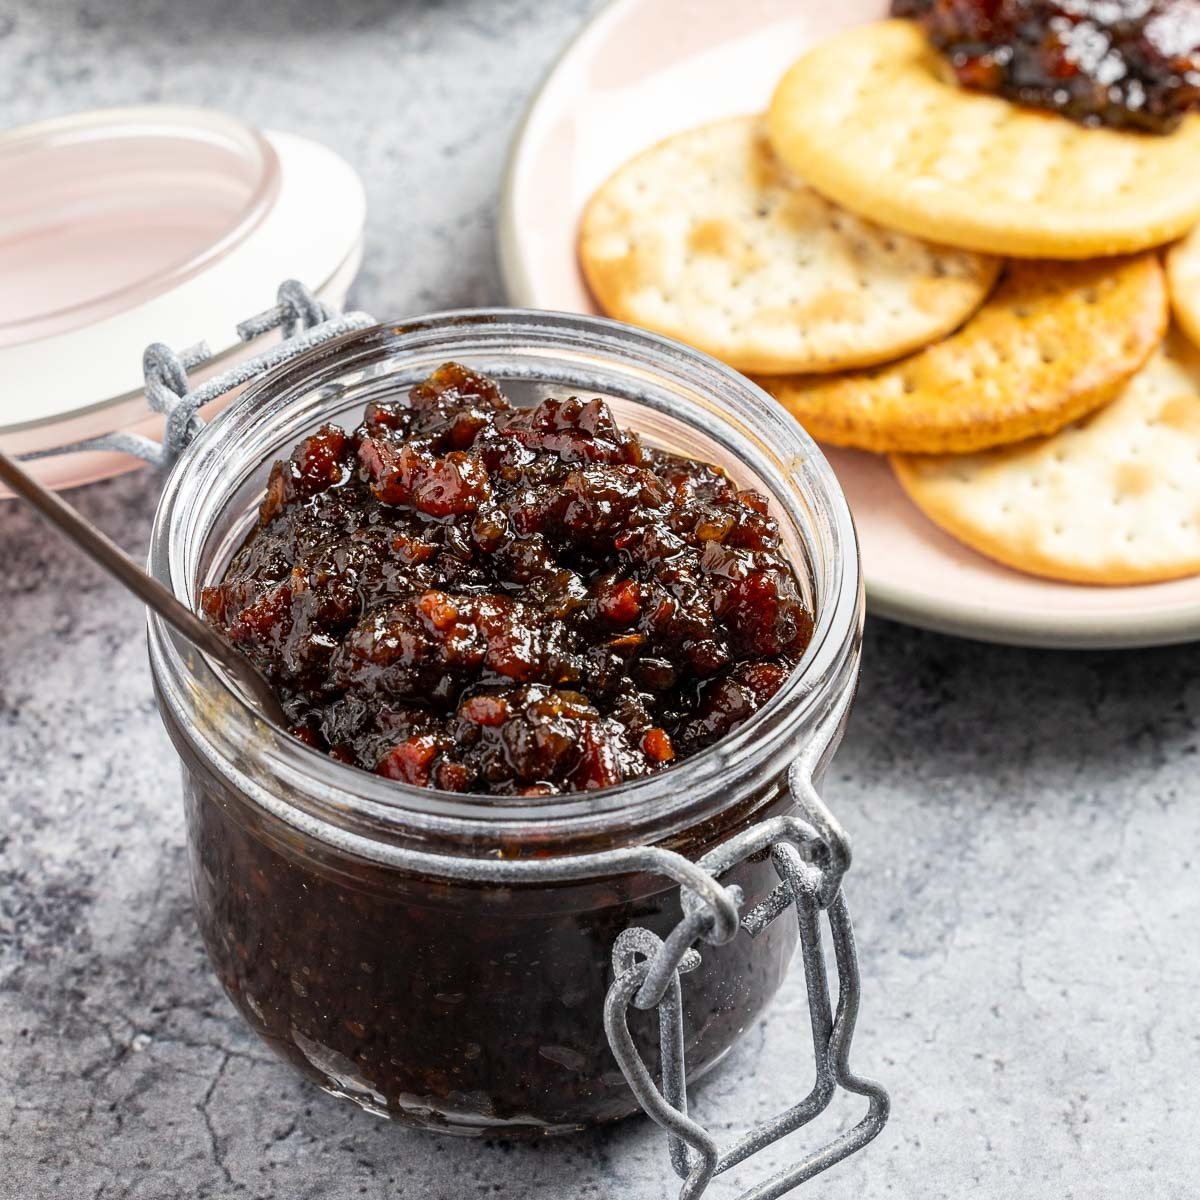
1027, 824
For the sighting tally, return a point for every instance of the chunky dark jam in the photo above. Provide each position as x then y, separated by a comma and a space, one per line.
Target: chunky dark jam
478, 597
453, 1005
1129, 64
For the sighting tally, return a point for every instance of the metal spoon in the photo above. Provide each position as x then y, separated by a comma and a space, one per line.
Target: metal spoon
145, 587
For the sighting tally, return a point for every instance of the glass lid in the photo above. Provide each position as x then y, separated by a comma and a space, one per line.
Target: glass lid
114, 207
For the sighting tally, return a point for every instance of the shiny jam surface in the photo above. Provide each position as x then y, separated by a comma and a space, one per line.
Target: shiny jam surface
1128, 64
477, 597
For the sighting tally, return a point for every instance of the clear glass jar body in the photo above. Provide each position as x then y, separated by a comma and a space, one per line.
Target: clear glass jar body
418, 992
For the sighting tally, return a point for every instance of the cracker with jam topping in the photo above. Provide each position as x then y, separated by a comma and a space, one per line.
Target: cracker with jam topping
874, 120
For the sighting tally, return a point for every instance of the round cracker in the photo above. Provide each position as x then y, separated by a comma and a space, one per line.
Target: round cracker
870, 120
1111, 500
705, 238
1183, 282
1054, 341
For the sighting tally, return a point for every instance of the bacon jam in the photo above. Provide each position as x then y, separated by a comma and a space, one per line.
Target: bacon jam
1127, 64
477, 597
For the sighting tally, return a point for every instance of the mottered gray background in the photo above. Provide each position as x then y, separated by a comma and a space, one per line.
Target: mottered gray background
1027, 824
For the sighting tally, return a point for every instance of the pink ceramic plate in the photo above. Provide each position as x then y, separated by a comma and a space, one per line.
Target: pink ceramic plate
644, 69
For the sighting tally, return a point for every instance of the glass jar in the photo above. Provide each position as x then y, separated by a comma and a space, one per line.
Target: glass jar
392, 942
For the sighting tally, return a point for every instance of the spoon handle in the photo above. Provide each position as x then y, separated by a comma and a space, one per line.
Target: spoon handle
101, 549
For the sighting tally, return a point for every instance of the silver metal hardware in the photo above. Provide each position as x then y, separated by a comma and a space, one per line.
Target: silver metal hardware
305, 321
647, 974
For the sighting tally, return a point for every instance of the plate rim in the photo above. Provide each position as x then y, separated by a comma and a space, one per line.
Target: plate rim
1085, 631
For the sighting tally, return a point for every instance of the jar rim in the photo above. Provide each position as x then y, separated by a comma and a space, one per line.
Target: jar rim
348, 796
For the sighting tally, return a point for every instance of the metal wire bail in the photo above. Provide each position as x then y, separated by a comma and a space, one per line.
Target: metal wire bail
305, 321
809, 855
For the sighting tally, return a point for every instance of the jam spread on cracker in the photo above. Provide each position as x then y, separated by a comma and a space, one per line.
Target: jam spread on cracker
477, 597
1127, 64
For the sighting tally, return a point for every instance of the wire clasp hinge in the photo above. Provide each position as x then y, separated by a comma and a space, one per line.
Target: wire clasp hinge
810, 856
305, 322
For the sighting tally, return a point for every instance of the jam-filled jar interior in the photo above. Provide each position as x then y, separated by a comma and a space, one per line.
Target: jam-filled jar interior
481, 597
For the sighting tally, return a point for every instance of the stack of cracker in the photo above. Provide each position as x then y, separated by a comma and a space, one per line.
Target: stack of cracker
970, 287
